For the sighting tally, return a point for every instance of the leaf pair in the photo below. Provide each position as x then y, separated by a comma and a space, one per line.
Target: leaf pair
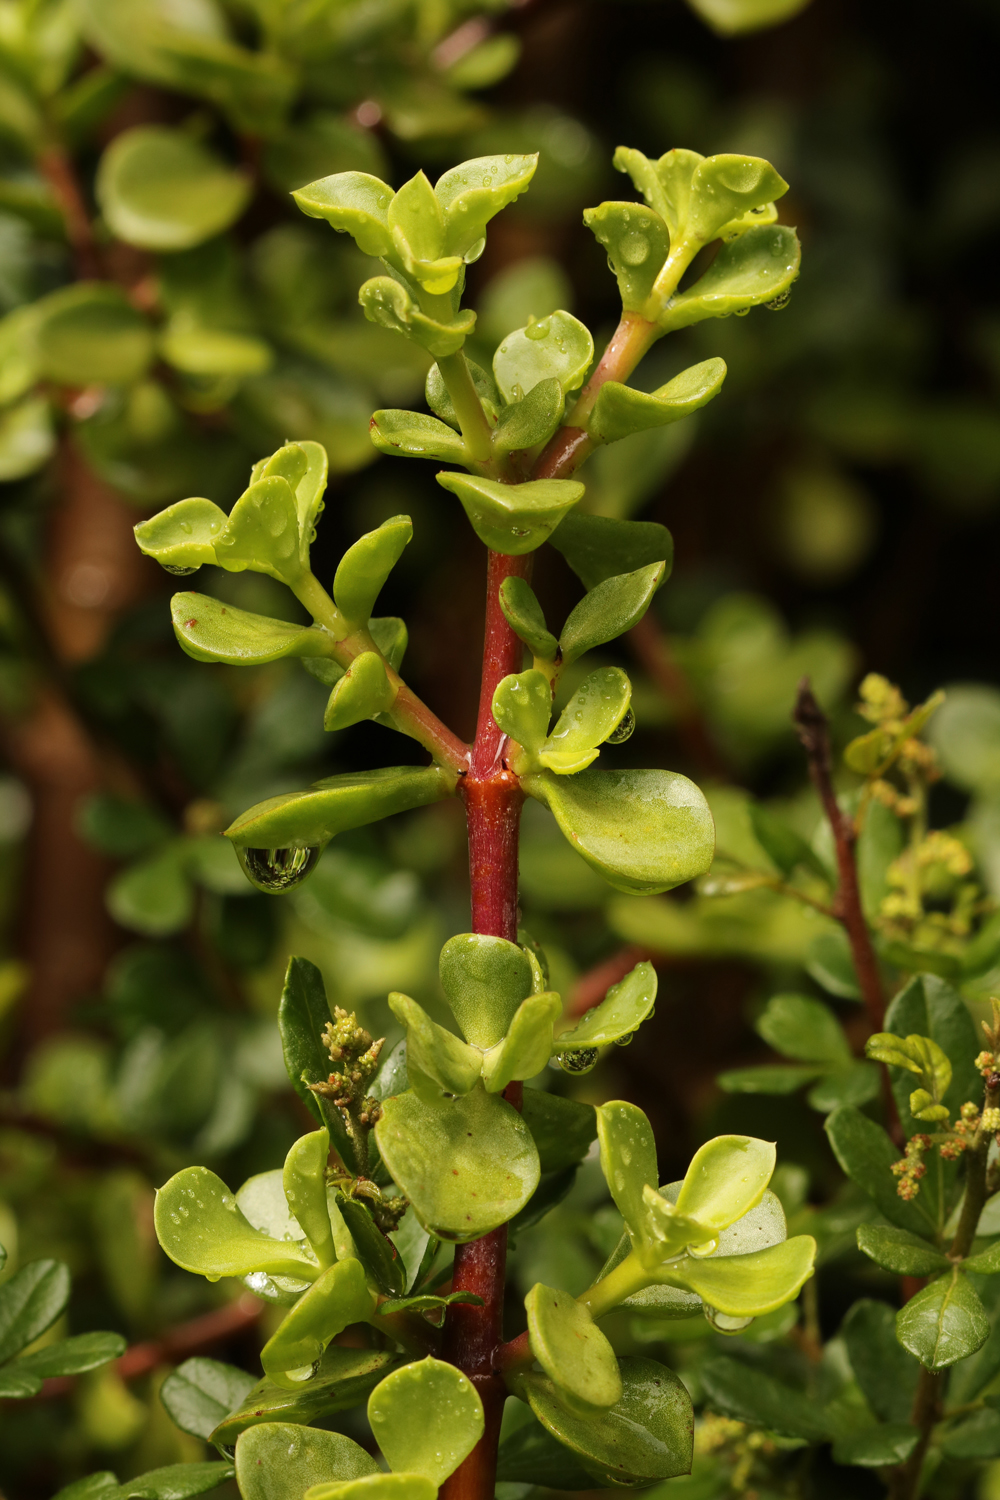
522, 706
426, 1418
424, 236
609, 609
691, 200
806, 1031
269, 529
30, 1302
677, 1235
922, 1056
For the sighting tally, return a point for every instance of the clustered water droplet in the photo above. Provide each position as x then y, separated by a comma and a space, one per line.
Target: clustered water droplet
579, 1061
277, 870
623, 731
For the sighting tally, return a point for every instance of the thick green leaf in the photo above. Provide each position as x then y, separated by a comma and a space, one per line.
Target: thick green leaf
492, 1163
438, 1063
644, 831
30, 1302
209, 630
804, 1029
628, 1159
201, 1228
303, 1015
280, 1460
986, 1263
375, 1487
763, 1401
944, 1322
645, 1436
866, 1154
439, 401
562, 1129
620, 411
758, 267
363, 692
600, 547
472, 192
886, 1373
353, 202
365, 567
426, 1302
378, 1254
176, 1481
90, 334
896, 1250
337, 1298
262, 532
637, 244
182, 538
304, 1182
591, 716
416, 224
513, 518
877, 1447
17, 1384
531, 420
485, 979
73, 1356
622, 1011
611, 608
389, 305
829, 962
725, 188
557, 347
726, 1179
161, 189
426, 1417
522, 707
306, 819
571, 1349
747, 1285
305, 466
527, 1047
529, 1454
415, 435
523, 614
201, 1393
344, 1377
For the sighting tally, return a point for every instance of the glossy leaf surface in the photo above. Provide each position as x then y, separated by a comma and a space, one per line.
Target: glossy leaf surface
390, 305
600, 547
748, 1285
756, 268
513, 518
365, 567
209, 630
609, 609
727, 1177
944, 1322
527, 1047
620, 410
182, 538
623, 1009
343, 1378
412, 434
472, 192
426, 1417
306, 819
571, 1349
523, 614
492, 1162
375, 1487
201, 1228
896, 1250
591, 715
73, 1356
280, 1460
354, 203
886, 1373
628, 1159
530, 420
646, 1435
363, 692
262, 532
201, 1393
485, 979
338, 1297
866, 1153
637, 244
304, 1182
522, 707
30, 1302
438, 1063
644, 831
557, 347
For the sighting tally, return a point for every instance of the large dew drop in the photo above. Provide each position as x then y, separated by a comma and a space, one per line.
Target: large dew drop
178, 571
624, 730
581, 1060
277, 870
723, 1323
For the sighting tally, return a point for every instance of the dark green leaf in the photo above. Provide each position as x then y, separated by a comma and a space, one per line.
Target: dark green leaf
201, 1393
896, 1250
529, 1454
30, 1302
343, 1378
866, 1154
857, 1083
977, 1436
599, 547
120, 826
74, 1356
877, 1447
377, 1253
524, 615
804, 1029
927, 1006
921, 960
983, 952
973, 1375
16, 1384
943, 1323
530, 420
783, 844
609, 609
176, 1482
552, 1189
562, 1129
774, 1080
425, 1302
762, 1401
886, 1373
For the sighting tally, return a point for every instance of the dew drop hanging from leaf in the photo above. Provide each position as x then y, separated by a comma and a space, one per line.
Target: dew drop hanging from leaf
723, 1323
623, 1041
579, 1061
277, 870
177, 572
624, 730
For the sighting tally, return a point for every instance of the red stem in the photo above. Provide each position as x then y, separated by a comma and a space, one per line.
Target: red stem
493, 799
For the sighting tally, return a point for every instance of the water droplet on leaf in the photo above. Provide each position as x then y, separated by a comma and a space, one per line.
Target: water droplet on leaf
723, 1323
623, 1041
624, 730
579, 1061
178, 571
277, 870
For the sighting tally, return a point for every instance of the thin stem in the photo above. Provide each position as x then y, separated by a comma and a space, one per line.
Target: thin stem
472, 418
57, 168
814, 733
493, 797
409, 713
568, 448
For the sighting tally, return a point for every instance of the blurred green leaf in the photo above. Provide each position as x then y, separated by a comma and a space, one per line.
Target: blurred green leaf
30, 1302
601, 547
161, 190
201, 1393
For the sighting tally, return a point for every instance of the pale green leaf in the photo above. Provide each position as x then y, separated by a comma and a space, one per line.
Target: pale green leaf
527, 1047
426, 1418
513, 518
338, 1297
747, 1285
591, 716
201, 1228
161, 189
557, 347
571, 1349
209, 630
522, 707
437, 1062
484, 979
622, 1011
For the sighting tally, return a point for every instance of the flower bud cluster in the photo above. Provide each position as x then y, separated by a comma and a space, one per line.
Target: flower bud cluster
911, 1166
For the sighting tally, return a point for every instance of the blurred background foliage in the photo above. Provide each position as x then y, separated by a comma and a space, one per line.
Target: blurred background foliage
168, 317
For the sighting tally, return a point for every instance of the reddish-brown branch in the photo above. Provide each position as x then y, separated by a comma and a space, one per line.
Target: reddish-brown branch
493, 798
814, 733
57, 169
